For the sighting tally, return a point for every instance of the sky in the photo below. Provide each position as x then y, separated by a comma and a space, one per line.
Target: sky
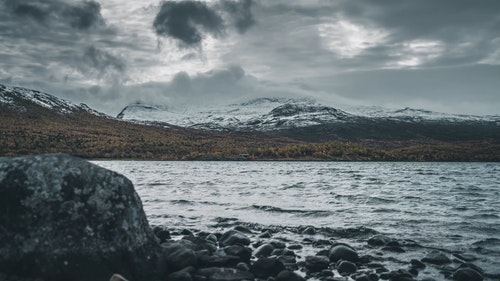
438, 55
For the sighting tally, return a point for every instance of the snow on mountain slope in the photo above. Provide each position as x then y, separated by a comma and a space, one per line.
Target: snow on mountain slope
268, 114
415, 115
263, 114
14, 98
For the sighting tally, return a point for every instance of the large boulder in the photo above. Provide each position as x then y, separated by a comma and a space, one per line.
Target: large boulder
63, 218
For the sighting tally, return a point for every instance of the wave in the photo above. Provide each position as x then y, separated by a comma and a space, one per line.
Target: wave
293, 186
487, 242
374, 199
484, 216
181, 202
305, 212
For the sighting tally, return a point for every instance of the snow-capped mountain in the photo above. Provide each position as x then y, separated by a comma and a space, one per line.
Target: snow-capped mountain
273, 114
264, 114
17, 99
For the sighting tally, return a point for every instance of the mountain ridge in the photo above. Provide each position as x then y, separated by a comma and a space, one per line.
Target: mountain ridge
307, 120
34, 122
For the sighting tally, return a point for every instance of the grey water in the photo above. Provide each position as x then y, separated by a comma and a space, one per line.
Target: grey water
445, 205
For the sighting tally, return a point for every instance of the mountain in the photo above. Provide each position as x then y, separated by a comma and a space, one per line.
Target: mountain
264, 114
307, 120
33, 122
18, 99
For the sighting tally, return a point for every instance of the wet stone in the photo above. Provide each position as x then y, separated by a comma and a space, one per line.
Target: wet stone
263, 250
400, 275
467, 274
317, 263
178, 257
436, 257
244, 253
417, 264
322, 242
343, 252
309, 231
287, 275
162, 234
288, 261
277, 244
346, 267
267, 267
465, 257
187, 232
378, 240
266, 234
394, 249
219, 261
234, 237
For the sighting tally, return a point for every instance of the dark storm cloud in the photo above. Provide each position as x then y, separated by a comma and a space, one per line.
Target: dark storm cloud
101, 62
215, 83
33, 11
84, 15
80, 15
241, 13
465, 28
188, 21
423, 18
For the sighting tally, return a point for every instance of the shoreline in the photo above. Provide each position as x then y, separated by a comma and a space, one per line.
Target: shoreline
306, 251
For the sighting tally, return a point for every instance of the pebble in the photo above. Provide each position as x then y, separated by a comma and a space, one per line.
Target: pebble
267, 267
417, 264
317, 263
277, 244
467, 274
394, 249
265, 234
244, 253
187, 232
436, 257
233, 237
343, 252
309, 231
287, 275
378, 240
263, 250
178, 257
346, 267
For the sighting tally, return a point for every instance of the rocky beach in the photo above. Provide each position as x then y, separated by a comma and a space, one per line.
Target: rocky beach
63, 218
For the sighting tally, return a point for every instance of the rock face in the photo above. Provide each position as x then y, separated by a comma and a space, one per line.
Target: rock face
63, 218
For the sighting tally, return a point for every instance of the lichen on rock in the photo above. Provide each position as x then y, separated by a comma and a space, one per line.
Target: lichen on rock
62, 217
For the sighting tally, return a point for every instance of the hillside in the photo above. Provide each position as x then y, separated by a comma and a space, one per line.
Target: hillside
309, 121
33, 122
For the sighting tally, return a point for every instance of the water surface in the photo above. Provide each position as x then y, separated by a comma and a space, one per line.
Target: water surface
446, 205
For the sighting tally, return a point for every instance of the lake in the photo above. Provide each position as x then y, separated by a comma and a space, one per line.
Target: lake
455, 206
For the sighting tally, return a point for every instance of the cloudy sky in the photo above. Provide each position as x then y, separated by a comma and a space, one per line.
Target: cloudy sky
442, 55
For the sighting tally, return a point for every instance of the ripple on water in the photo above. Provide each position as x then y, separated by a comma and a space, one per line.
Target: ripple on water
302, 212
440, 203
